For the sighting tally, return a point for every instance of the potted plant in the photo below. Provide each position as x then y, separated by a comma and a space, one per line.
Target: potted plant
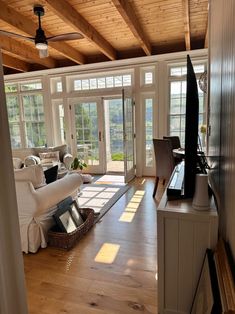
78, 164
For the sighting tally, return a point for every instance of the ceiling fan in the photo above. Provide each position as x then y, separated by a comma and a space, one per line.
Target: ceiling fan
40, 39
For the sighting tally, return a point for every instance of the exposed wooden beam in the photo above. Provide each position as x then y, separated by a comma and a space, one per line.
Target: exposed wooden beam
19, 21
185, 6
15, 63
70, 16
19, 49
125, 9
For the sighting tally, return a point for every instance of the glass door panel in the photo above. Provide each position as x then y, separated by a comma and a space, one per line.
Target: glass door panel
128, 135
113, 113
87, 133
148, 132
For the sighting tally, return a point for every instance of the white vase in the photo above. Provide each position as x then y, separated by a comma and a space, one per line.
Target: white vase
201, 197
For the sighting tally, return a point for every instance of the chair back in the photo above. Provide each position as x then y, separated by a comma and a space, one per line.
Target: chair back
164, 158
175, 141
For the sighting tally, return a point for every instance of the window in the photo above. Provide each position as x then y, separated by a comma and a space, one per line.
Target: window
177, 100
148, 110
102, 82
11, 88
147, 76
59, 121
56, 85
30, 86
62, 123
59, 87
33, 115
26, 114
14, 120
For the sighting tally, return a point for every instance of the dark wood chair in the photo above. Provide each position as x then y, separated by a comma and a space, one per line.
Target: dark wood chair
164, 159
175, 142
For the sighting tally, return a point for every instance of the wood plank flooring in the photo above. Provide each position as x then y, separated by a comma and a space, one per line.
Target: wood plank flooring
73, 282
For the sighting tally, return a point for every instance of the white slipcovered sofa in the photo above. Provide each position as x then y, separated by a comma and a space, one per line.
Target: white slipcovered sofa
42, 155
37, 203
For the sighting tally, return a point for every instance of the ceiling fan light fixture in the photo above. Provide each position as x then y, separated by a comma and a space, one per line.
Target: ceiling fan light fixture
41, 46
40, 39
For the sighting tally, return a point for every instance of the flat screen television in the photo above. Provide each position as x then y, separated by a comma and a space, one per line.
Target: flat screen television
182, 181
191, 131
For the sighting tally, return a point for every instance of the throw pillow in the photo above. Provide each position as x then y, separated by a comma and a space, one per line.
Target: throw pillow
63, 149
31, 160
51, 174
49, 157
33, 174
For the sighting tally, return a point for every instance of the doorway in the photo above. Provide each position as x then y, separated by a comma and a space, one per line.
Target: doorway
102, 134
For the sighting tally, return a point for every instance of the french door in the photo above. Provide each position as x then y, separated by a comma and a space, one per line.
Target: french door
91, 133
87, 132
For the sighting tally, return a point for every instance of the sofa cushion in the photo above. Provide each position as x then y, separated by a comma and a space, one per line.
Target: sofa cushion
33, 174
17, 163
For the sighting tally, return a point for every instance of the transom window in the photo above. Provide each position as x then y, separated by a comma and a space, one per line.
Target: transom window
110, 81
147, 76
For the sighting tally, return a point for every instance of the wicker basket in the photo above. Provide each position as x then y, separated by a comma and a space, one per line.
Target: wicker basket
65, 240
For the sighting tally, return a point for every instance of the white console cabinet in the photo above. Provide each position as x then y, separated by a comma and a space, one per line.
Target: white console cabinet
184, 234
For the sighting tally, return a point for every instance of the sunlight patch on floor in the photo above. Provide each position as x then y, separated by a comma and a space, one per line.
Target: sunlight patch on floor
132, 207
111, 179
107, 253
139, 192
127, 217
96, 197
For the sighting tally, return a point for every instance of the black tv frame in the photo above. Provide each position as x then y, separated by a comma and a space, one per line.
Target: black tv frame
191, 131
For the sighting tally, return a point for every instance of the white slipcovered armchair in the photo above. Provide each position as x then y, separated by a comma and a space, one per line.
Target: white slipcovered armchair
37, 203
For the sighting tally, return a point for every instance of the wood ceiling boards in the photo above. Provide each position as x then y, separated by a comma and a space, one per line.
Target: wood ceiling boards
112, 29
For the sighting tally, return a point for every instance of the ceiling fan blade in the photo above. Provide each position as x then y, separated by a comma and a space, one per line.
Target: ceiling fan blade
43, 53
10, 34
65, 37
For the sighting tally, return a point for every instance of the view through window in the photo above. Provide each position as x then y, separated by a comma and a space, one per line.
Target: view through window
177, 98
26, 114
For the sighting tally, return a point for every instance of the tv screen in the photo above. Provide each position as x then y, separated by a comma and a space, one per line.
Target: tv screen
191, 131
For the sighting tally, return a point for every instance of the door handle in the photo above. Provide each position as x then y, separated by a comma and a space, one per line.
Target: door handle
100, 136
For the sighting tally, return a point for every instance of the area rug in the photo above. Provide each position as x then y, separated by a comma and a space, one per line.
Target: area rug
100, 197
111, 179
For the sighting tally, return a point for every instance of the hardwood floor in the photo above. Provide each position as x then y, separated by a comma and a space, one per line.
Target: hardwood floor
79, 281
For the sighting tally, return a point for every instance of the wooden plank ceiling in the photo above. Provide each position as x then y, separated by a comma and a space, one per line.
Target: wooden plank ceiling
112, 30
